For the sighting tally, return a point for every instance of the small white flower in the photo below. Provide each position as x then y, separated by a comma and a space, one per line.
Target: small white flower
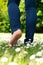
25, 52
18, 49
32, 57
3, 47
26, 47
42, 51
12, 63
4, 59
41, 41
40, 60
39, 54
35, 42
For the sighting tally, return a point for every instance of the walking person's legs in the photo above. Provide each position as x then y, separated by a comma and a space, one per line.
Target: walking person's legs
30, 19
14, 15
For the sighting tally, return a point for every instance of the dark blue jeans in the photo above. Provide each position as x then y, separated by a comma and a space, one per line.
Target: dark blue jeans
14, 15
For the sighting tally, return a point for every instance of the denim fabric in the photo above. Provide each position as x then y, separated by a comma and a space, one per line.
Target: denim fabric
14, 15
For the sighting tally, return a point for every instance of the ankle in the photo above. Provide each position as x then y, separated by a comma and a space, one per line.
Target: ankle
19, 32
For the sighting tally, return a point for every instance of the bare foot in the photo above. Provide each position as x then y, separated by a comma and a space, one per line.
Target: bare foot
16, 35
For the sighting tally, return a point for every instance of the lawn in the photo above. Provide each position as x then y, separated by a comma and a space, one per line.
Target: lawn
21, 55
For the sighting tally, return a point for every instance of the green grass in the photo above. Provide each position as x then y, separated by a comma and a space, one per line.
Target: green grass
18, 57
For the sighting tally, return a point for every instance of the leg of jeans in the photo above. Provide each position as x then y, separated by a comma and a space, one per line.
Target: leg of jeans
16, 1
30, 18
14, 15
